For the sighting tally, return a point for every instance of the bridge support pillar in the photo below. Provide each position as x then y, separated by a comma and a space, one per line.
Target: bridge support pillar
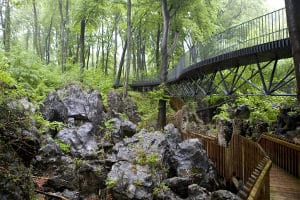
293, 20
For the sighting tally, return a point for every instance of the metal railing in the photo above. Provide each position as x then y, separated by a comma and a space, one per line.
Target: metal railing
264, 29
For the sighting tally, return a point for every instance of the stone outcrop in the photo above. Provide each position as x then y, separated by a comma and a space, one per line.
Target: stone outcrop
116, 104
149, 158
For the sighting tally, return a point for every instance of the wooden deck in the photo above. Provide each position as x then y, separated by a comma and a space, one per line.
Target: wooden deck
283, 186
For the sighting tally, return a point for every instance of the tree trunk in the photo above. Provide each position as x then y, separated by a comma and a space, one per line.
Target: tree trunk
161, 121
88, 53
157, 58
62, 36
108, 46
67, 30
82, 59
47, 42
164, 43
27, 39
97, 51
117, 17
293, 19
128, 49
7, 34
36, 29
117, 83
103, 47
162, 112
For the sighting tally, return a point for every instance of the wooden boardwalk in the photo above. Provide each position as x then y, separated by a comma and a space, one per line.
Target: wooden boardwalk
283, 186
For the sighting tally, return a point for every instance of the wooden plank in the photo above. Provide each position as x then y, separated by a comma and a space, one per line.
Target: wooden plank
283, 185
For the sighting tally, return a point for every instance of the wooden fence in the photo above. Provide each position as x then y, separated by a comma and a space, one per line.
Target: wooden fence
283, 153
244, 157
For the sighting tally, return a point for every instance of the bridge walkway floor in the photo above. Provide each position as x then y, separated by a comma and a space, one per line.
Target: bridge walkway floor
283, 186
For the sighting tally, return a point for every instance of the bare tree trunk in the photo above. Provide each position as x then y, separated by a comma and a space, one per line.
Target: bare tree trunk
117, 83
82, 59
62, 36
67, 30
36, 29
162, 107
47, 42
108, 46
93, 56
135, 70
157, 58
128, 49
7, 22
293, 19
2, 21
27, 39
88, 53
97, 51
77, 49
102, 49
139, 51
117, 18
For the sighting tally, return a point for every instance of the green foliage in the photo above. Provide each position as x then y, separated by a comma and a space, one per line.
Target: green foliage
261, 107
161, 188
110, 183
44, 125
223, 114
66, 148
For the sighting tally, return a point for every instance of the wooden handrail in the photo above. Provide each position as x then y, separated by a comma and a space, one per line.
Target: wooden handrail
244, 157
283, 153
279, 141
260, 182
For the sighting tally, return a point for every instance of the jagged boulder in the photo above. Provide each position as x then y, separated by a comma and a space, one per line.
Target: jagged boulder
145, 160
116, 105
121, 128
197, 192
82, 140
74, 102
189, 159
224, 195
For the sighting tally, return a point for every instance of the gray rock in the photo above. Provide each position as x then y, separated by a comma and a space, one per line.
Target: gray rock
197, 192
179, 185
224, 195
73, 102
121, 128
81, 140
131, 181
91, 177
189, 159
143, 161
54, 109
172, 133
116, 105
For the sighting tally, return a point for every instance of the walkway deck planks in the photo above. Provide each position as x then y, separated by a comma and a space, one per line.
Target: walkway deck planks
283, 186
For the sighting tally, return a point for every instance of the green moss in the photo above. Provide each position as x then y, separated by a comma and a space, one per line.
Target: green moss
110, 183
66, 148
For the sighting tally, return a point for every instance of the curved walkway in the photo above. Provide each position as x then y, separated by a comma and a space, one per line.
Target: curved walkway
283, 186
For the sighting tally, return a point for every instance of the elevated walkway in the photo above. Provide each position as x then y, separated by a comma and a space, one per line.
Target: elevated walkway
283, 186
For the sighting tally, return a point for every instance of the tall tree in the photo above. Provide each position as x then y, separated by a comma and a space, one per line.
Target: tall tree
293, 19
62, 36
162, 120
7, 27
82, 45
36, 30
128, 49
